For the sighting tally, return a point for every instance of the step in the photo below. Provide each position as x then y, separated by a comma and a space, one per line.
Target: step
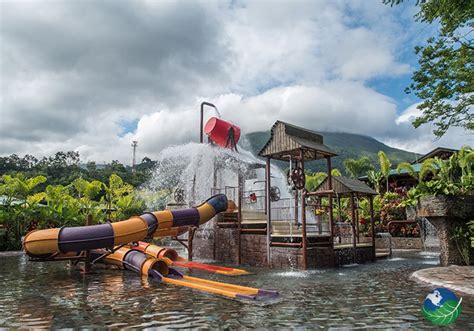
253, 231
253, 215
299, 235
246, 221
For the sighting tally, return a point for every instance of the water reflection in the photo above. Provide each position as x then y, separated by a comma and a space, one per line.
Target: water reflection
380, 295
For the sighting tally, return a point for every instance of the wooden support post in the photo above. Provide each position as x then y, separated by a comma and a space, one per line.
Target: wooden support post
214, 227
191, 232
214, 179
296, 200
268, 208
193, 190
372, 226
214, 241
87, 258
354, 240
304, 239
331, 221
239, 219
328, 159
357, 219
320, 217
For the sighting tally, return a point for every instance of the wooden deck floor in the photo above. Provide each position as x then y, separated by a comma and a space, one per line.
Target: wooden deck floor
342, 246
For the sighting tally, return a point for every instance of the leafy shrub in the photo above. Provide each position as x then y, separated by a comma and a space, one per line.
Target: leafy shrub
25, 206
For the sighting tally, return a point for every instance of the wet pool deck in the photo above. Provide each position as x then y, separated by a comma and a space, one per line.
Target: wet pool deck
456, 278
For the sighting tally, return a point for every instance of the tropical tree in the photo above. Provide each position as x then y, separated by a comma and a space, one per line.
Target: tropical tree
87, 194
375, 177
385, 166
444, 80
358, 167
427, 167
454, 176
61, 209
18, 206
120, 199
315, 179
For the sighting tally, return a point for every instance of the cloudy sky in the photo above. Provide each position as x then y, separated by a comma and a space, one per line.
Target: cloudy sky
92, 76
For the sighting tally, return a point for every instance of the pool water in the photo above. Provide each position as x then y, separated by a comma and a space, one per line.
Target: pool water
378, 295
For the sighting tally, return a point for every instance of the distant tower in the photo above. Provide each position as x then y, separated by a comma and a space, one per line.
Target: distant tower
134, 146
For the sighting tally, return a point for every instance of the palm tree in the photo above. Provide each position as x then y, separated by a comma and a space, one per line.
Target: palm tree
385, 166
428, 166
375, 177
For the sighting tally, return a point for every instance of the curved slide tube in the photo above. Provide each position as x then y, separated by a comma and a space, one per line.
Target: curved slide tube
160, 252
159, 269
44, 243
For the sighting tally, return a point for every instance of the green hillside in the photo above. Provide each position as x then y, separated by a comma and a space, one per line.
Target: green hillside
346, 145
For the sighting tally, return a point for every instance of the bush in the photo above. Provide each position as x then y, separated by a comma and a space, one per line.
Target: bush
25, 205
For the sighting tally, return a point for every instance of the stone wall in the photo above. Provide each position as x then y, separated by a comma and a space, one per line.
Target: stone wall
254, 249
397, 242
407, 243
222, 246
203, 244
292, 258
346, 255
449, 253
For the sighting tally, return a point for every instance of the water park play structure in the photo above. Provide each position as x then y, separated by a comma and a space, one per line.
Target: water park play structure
119, 244
278, 223
284, 231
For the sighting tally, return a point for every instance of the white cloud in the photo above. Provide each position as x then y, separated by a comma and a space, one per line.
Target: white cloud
422, 139
72, 72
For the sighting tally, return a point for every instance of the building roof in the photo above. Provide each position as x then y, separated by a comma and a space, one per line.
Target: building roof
416, 168
440, 152
289, 140
345, 185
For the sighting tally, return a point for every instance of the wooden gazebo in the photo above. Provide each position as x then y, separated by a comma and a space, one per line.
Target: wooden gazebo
348, 188
296, 145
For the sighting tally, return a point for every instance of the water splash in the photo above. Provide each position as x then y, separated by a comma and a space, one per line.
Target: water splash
387, 245
298, 274
196, 169
429, 235
201, 170
352, 265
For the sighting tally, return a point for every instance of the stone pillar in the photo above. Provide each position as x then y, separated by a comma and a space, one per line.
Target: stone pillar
446, 213
449, 253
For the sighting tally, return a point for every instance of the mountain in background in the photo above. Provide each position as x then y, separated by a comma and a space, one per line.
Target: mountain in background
346, 145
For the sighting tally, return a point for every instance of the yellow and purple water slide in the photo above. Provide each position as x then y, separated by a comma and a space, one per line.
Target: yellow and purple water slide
43, 244
107, 242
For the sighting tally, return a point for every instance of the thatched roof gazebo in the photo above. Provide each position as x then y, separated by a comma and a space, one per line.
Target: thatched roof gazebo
291, 143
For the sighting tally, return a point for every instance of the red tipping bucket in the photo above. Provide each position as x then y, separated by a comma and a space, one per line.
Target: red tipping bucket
218, 130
